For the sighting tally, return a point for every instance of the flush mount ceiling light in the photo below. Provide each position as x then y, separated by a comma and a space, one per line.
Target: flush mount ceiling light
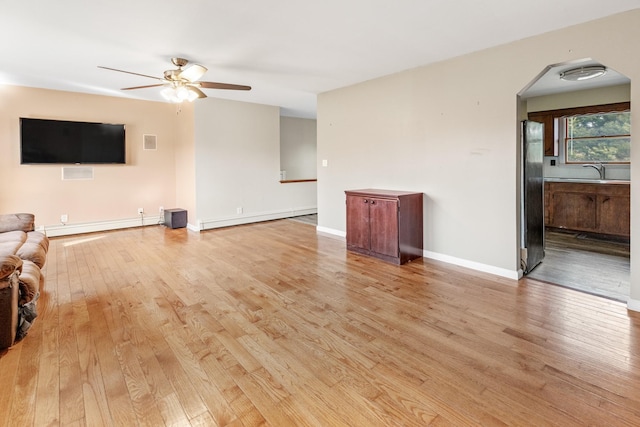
583, 73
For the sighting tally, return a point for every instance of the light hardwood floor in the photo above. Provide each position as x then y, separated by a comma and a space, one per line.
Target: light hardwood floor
273, 324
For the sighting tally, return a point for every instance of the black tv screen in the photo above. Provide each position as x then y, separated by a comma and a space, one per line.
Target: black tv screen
66, 142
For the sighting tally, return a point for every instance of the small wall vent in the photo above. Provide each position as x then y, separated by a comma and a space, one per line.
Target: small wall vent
76, 173
149, 142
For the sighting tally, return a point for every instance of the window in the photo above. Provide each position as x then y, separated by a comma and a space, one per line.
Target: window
598, 138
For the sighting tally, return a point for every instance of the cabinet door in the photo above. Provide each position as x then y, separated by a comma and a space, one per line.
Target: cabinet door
384, 226
549, 143
615, 215
575, 211
547, 204
358, 222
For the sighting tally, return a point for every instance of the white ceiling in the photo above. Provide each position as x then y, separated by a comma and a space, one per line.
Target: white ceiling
287, 50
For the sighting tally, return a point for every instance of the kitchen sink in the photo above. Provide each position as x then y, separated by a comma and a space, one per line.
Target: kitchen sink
589, 181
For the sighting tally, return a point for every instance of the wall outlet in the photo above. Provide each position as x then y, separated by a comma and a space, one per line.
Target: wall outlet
140, 211
325, 163
239, 210
64, 218
161, 209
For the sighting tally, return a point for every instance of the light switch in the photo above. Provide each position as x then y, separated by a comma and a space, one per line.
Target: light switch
324, 163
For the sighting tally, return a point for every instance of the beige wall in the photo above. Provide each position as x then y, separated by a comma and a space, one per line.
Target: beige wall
298, 147
237, 147
451, 131
235, 163
148, 180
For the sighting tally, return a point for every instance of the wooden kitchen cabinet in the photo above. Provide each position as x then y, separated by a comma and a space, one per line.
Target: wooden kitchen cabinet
614, 214
549, 143
595, 208
573, 210
385, 224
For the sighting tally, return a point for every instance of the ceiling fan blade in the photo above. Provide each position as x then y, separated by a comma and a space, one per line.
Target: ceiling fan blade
141, 87
197, 91
129, 72
216, 85
193, 72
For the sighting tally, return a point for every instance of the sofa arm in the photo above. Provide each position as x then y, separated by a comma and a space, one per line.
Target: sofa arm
8, 265
34, 248
29, 280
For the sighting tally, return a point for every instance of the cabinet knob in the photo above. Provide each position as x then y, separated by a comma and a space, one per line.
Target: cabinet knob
366, 201
373, 202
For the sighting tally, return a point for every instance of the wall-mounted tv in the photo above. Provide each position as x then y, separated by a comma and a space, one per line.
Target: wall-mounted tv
45, 141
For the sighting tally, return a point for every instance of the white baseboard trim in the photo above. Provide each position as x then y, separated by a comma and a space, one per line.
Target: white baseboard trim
485, 268
502, 272
633, 304
209, 224
192, 227
332, 231
92, 227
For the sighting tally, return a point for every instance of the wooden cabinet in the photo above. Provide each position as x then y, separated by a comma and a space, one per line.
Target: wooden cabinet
573, 210
549, 143
595, 208
614, 214
385, 224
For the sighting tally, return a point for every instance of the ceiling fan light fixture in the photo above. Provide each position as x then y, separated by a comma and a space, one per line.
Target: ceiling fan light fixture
182, 84
178, 94
169, 93
193, 95
182, 93
583, 73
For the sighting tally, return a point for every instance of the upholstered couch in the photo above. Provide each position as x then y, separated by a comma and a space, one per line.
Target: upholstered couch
23, 252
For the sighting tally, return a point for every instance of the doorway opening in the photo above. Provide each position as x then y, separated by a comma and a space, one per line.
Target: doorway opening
586, 201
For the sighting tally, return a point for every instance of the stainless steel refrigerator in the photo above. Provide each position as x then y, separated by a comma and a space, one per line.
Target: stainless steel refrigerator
532, 195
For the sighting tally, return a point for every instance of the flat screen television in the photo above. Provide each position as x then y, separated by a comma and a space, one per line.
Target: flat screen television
45, 141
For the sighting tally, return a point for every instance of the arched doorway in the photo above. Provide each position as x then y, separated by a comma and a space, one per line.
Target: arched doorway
587, 239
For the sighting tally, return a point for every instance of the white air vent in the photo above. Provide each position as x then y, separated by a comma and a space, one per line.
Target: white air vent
149, 142
75, 173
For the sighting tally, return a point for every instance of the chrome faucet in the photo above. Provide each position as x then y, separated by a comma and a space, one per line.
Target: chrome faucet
599, 167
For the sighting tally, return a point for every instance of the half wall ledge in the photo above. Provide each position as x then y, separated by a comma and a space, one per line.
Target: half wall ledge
290, 181
633, 305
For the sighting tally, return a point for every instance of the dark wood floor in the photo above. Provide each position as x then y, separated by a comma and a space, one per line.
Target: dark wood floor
586, 263
273, 324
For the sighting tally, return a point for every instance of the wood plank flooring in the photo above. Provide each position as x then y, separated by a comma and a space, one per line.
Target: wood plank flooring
592, 265
271, 324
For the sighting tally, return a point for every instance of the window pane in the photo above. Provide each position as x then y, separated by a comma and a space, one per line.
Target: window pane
600, 137
613, 150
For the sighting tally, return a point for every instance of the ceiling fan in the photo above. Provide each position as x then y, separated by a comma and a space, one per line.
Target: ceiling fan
182, 84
